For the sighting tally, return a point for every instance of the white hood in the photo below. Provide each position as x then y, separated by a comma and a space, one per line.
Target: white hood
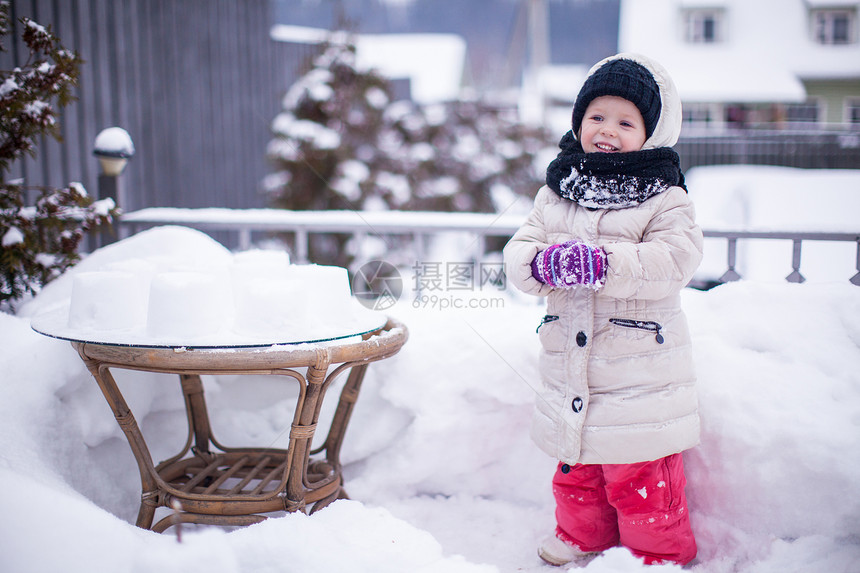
668, 127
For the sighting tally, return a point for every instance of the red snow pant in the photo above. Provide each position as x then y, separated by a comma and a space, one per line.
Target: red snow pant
642, 506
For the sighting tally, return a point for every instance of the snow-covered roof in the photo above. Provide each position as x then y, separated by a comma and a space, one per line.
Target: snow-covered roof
434, 63
766, 51
562, 82
551, 96
299, 34
710, 77
831, 3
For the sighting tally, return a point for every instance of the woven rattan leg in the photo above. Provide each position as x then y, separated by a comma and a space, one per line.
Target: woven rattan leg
146, 513
303, 432
205, 519
128, 424
345, 405
198, 416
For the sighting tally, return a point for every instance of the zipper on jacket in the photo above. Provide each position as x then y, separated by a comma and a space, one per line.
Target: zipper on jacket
648, 325
545, 319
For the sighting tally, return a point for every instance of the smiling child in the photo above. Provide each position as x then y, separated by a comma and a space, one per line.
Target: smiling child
611, 241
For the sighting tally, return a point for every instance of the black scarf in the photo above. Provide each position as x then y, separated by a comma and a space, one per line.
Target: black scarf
612, 180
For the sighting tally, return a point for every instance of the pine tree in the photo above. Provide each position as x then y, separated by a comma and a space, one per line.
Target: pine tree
342, 143
40, 241
323, 138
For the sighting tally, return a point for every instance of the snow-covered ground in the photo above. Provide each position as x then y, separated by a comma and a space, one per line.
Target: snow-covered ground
440, 468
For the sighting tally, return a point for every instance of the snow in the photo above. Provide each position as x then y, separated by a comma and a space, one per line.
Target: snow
8, 86
331, 220
102, 207
219, 299
39, 29
35, 108
351, 174
317, 134
441, 187
79, 188
46, 260
114, 142
439, 466
13, 236
395, 184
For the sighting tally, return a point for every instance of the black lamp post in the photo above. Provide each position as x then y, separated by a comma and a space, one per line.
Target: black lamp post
113, 147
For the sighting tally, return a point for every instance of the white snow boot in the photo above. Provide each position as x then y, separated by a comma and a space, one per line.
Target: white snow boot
556, 552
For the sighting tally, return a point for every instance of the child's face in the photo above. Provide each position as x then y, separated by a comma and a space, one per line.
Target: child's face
612, 125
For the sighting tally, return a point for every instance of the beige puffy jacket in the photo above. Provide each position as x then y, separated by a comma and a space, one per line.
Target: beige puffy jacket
612, 393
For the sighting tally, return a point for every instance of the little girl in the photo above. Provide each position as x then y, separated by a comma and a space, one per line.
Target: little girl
610, 242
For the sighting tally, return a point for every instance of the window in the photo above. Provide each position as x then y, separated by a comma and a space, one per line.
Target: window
808, 112
834, 27
703, 26
697, 114
852, 110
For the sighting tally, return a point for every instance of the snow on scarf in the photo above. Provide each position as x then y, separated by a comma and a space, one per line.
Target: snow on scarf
612, 180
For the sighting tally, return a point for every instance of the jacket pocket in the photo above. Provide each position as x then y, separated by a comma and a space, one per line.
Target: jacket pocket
546, 319
643, 325
551, 333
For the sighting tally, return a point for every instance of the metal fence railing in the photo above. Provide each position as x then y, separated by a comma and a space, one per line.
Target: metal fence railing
420, 225
808, 149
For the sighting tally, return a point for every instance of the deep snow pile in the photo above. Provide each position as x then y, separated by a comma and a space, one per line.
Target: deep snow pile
439, 465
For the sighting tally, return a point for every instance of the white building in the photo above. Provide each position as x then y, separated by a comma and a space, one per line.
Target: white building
753, 61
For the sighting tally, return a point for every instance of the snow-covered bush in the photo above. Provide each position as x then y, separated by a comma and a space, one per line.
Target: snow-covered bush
37, 242
466, 155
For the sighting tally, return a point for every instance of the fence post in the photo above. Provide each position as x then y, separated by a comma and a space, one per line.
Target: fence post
795, 276
301, 245
855, 280
418, 240
731, 275
480, 246
244, 239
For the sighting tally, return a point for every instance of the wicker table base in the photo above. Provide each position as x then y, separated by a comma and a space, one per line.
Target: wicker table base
207, 482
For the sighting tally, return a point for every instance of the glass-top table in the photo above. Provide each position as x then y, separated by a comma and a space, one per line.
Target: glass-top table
211, 483
358, 321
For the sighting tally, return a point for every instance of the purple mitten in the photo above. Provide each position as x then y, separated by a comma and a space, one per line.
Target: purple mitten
570, 264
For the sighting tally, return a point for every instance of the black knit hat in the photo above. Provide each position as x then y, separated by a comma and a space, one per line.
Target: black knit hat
622, 78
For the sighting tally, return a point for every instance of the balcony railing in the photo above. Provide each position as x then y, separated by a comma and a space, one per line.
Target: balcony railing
420, 225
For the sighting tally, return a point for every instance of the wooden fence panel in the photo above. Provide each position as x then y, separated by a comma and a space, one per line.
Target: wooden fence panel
195, 83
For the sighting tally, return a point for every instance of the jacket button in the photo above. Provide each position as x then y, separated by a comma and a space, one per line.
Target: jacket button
577, 405
581, 339
565, 468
